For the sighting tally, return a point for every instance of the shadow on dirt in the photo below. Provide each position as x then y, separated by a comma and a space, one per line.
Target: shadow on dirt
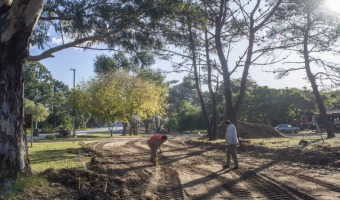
101, 183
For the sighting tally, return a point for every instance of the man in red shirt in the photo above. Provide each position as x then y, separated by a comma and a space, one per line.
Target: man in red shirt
154, 143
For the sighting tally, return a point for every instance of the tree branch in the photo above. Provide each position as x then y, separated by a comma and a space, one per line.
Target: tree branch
48, 53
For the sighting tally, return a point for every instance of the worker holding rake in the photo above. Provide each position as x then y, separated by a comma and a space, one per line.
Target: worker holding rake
155, 143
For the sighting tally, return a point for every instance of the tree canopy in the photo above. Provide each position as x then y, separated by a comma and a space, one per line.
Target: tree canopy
120, 95
128, 25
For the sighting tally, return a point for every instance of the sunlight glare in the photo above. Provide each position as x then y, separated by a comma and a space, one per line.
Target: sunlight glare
333, 5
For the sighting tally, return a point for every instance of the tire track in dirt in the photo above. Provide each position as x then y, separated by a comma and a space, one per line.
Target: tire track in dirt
320, 182
233, 187
316, 182
125, 165
164, 181
97, 147
168, 186
198, 150
270, 188
144, 172
173, 188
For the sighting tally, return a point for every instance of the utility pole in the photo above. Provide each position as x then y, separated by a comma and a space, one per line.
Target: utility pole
74, 103
35, 110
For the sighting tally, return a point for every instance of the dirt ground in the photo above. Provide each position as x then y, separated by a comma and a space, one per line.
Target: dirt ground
119, 169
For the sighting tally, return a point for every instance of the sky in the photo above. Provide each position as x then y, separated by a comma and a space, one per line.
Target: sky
82, 61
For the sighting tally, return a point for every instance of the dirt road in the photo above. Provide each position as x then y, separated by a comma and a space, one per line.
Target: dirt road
186, 170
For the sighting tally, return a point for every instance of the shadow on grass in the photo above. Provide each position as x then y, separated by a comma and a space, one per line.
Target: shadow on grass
57, 138
45, 156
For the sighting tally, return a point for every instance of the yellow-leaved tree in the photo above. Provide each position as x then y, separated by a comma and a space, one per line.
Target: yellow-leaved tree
38, 111
120, 96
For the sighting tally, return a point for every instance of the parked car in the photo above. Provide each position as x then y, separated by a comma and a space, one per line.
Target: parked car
118, 124
287, 128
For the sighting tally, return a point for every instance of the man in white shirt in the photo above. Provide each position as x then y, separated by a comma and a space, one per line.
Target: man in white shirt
231, 141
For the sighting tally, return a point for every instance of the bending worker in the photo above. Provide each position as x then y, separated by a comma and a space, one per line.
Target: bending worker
154, 143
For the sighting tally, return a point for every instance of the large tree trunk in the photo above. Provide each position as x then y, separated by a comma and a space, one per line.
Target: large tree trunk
311, 78
230, 113
17, 19
213, 122
198, 88
256, 23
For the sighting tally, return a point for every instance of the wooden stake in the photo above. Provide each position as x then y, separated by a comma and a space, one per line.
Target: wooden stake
78, 183
105, 185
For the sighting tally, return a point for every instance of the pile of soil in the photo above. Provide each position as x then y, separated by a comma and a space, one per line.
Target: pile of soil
247, 130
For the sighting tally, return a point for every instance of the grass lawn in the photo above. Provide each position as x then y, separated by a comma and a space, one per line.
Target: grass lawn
59, 152
55, 155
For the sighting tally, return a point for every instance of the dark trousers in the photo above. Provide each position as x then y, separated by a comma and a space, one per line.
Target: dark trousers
232, 150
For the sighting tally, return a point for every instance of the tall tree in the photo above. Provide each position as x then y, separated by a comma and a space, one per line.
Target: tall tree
39, 83
180, 92
140, 64
187, 116
311, 31
190, 33
40, 87
156, 77
230, 26
241, 21
60, 111
17, 19
272, 106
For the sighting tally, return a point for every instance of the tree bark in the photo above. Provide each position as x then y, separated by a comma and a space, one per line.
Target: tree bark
17, 19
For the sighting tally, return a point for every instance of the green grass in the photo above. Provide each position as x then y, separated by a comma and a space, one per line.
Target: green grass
205, 141
57, 155
42, 156
292, 142
23, 183
287, 142
78, 138
59, 152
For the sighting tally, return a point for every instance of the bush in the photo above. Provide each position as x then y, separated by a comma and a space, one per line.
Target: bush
64, 132
47, 129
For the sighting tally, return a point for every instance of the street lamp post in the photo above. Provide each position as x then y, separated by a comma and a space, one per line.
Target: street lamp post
74, 103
